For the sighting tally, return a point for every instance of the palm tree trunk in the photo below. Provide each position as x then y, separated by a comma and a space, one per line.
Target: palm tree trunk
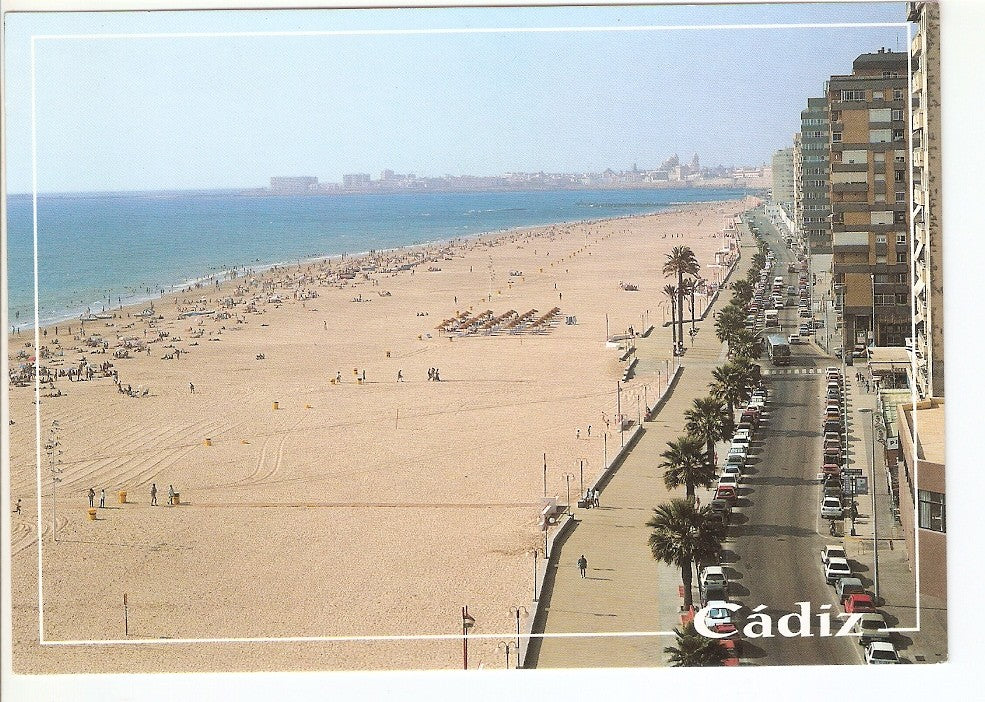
711, 452
689, 490
692, 308
673, 321
686, 579
680, 307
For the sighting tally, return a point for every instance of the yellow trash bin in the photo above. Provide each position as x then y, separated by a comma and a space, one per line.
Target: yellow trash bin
208, 442
122, 494
91, 514
177, 499
276, 405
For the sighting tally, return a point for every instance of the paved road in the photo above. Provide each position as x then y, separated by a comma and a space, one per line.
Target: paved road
774, 554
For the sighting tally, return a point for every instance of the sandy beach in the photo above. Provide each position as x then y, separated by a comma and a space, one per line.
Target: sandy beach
317, 507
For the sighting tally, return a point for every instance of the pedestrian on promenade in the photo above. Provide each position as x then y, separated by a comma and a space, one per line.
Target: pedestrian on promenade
595, 498
102, 498
92, 496
582, 565
153, 494
577, 433
171, 495
589, 431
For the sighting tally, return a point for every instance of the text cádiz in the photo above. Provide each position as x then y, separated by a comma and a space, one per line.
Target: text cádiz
760, 625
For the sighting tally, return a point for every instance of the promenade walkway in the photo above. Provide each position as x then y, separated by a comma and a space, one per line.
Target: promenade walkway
625, 590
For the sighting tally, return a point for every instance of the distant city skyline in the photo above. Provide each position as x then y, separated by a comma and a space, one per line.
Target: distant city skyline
388, 90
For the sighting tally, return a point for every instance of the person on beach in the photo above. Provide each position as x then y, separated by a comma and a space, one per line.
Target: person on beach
102, 498
437, 375
92, 496
589, 431
17, 507
577, 433
171, 495
595, 498
338, 377
582, 565
153, 494
400, 376
191, 388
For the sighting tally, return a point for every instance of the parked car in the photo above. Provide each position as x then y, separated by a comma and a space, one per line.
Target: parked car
729, 479
713, 593
734, 470
722, 507
848, 586
881, 652
805, 313
739, 450
871, 627
736, 460
860, 351
831, 508
829, 552
717, 613
793, 339
831, 469
836, 569
861, 603
713, 574
727, 492
832, 425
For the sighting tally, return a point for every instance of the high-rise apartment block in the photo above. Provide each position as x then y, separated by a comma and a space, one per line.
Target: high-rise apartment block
928, 281
869, 195
814, 202
783, 179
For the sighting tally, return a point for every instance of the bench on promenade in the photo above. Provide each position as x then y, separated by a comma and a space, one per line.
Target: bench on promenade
628, 373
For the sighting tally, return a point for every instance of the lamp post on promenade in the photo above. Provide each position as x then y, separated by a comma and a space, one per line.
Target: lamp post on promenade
506, 644
515, 610
872, 488
581, 476
568, 477
468, 621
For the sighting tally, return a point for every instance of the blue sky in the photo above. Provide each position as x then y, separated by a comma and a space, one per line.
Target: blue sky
155, 112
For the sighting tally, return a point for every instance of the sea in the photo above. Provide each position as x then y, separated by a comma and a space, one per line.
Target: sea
99, 251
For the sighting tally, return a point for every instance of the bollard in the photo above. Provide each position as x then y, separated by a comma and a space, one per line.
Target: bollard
276, 405
122, 495
91, 514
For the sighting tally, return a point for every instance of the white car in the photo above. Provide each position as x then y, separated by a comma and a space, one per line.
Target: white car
871, 628
793, 339
733, 470
728, 479
741, 438
829, 552
740, 450
879, 652
717, 613
836, 569
713, 575
831, 508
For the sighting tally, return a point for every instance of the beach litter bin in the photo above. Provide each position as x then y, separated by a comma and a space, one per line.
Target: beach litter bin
122, 495
276, 405
177, 499
208, 442
91, 514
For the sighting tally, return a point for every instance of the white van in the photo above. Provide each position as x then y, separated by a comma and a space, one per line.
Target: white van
771, 318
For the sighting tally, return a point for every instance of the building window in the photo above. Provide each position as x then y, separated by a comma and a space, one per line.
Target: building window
900, 238
897, 135
835, 137
880, 198
850, 96
900, 257
897, 94
902, 299
877, 95
880, 258
880, 238
899, 218
933, 512
901, 197
890, 74
897, 115
901, 278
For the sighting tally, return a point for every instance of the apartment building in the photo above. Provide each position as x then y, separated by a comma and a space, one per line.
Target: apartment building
814, 202
783, 194
925, 136
869, 193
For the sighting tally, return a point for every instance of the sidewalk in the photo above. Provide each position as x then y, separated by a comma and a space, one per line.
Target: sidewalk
625, 589
897, 583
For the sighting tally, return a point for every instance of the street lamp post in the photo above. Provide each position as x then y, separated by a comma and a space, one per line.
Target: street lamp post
568, 477
515, 610
506, 645
468, 621
581, 476
872, 488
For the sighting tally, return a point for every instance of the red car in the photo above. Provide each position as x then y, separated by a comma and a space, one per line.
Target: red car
726, 492
732, 644
860, 603
831, 469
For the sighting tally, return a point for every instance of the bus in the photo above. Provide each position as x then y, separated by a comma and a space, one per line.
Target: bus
778, 349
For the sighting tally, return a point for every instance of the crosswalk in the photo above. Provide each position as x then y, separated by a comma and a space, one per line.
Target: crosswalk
792, 371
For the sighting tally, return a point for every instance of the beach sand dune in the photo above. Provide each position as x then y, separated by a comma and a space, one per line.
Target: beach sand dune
354, 508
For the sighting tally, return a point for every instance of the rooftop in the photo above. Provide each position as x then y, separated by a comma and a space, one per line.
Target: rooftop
930, 429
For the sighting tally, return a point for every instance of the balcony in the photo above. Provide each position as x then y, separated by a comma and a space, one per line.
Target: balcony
849, 187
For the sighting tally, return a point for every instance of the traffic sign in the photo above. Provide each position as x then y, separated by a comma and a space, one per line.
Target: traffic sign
852, 471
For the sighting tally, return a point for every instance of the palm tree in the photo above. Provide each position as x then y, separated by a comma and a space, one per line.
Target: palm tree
728, 322
694, 650
745, 344
671, 292
681, 261
682, 535
731, 385
758, 260
746, 367
742, 292
684, 464
710, 421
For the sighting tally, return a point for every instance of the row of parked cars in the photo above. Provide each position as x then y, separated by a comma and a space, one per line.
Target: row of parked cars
833, 428
712, 581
